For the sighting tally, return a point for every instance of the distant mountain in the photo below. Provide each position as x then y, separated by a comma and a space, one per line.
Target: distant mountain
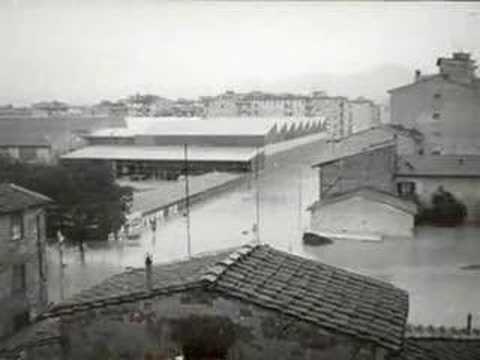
373, 83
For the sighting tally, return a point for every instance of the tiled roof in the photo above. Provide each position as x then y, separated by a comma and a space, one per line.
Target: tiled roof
332, 298
439, 343
441, 332
439, 165
130, 286
41, 333
15, 198
370, 194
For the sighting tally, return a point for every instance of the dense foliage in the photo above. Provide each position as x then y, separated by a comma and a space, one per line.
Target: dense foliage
88, 202
446, 210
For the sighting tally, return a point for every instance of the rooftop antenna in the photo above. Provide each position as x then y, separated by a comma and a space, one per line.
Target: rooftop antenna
187, 202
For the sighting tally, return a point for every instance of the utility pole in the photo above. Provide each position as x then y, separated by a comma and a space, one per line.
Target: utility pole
187, 202
300, 206
257, 198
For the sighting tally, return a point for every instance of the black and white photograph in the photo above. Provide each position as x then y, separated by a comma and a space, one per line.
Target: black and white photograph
239, 180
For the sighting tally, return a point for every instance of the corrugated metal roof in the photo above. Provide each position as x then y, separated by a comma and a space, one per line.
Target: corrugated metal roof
163, 153
200, 126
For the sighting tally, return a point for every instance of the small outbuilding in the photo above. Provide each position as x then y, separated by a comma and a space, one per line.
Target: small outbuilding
364, 213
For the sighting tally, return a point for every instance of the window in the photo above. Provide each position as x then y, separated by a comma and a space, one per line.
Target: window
406, 188
16, 226
19, 280
436, 115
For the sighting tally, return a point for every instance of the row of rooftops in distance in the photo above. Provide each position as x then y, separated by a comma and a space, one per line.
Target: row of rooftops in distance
266, 96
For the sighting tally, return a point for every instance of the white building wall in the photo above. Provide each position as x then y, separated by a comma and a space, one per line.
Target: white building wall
360, 216
448, 114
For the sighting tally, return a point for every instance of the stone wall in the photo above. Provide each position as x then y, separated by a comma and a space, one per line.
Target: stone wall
149, 330
373, 169
29, 252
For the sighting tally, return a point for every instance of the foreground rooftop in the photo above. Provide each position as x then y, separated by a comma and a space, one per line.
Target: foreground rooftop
332, 298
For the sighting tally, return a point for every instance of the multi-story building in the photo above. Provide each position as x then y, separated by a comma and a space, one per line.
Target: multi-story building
31, 148
342, 116
23, 276
445, 106
265, 105
365, 114
335, 110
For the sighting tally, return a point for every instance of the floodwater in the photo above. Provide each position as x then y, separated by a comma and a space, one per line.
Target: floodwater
428, 266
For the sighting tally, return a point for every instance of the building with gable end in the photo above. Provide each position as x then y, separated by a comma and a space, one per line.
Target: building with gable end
23, 273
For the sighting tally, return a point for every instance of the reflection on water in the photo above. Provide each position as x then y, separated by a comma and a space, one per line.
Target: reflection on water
429, 266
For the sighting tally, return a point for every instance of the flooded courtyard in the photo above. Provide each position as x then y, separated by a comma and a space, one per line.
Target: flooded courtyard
429, 266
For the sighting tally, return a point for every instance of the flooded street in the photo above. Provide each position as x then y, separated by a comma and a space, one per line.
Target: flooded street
429, 266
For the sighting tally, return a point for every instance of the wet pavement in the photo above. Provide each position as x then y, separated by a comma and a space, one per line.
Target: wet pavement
429, 266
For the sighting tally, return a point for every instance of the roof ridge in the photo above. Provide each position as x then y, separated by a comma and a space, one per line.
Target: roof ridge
441, 332
213, 273
29, 192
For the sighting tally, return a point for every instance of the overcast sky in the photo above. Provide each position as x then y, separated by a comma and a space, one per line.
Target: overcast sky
82, 51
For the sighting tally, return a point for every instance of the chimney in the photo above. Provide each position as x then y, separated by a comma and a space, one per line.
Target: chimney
148, 271
418, 74
469, 323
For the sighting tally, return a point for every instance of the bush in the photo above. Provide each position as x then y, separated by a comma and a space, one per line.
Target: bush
446, 210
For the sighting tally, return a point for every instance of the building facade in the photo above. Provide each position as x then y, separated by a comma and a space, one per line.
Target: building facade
23, 273
342, 116
445, 106
365, 114
457, 174
363, 214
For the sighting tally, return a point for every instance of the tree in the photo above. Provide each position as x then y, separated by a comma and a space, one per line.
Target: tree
88, 202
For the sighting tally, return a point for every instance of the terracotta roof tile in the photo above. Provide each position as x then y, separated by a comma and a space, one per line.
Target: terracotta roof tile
332, 298
339, 307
